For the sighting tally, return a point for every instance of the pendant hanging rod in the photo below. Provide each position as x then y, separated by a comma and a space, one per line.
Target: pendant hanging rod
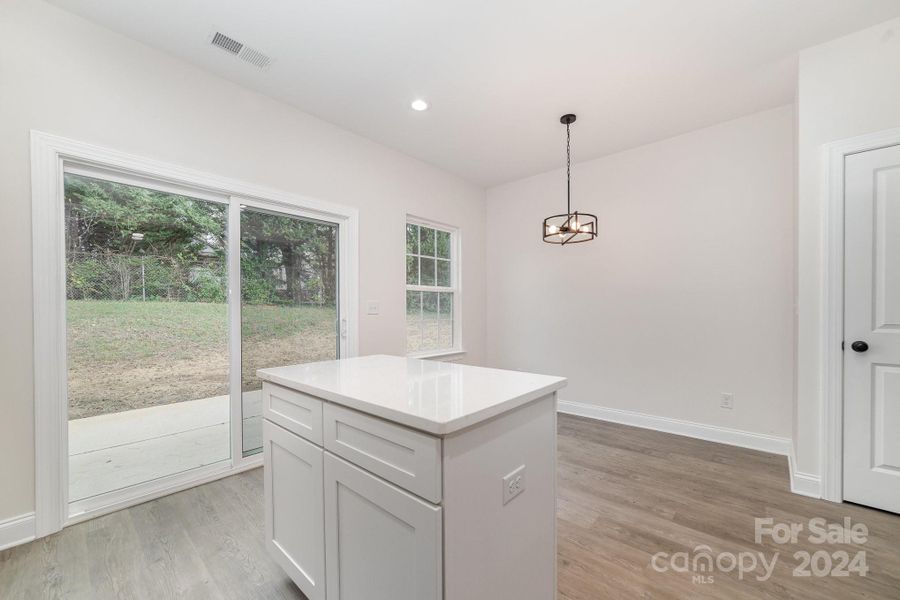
568, 171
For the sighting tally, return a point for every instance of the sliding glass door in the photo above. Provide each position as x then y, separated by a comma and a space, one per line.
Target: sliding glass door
147, 334
289, 301
174, 298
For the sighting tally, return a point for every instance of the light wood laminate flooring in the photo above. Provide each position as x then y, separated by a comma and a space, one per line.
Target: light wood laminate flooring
625, 494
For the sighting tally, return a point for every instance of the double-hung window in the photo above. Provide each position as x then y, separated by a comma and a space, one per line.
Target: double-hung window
432, 288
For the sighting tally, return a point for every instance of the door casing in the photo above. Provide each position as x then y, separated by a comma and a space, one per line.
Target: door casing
831, 356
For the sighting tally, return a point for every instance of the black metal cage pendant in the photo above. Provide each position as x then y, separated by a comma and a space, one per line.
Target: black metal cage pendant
570, 227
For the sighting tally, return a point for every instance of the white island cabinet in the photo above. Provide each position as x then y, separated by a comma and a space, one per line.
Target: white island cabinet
391, 478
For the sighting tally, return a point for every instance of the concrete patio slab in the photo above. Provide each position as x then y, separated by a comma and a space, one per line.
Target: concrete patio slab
114, 451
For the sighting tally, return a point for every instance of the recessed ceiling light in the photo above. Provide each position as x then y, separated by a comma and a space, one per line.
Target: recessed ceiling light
419, 105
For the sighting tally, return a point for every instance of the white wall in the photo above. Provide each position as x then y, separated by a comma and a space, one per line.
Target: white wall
63, 75
686, 293
847, 87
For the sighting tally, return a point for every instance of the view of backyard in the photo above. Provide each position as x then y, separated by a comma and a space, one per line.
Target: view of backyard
147, 312
132, 354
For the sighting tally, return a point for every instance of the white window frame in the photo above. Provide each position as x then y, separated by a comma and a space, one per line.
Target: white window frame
51, 157
455, 287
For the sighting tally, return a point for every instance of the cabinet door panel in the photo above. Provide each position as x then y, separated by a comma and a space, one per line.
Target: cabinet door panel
295, 532
382, 542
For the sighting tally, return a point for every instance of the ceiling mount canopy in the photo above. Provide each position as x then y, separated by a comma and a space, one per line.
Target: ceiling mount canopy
570, 227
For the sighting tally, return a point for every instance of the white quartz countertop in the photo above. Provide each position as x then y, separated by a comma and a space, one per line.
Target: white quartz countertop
433, 396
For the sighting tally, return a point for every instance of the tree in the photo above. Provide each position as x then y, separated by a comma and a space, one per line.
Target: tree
101, 216
284, 259
293, 258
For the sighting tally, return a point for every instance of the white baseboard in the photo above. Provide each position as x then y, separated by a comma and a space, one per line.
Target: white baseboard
804, 484
17, 530
710, 433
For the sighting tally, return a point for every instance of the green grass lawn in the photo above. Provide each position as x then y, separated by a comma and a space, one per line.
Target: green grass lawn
103, 331
125, 355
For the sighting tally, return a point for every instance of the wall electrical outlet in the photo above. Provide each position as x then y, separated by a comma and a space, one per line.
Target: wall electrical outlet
513, 484
727, 400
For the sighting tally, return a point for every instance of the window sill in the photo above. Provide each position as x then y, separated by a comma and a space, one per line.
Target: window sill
437, 354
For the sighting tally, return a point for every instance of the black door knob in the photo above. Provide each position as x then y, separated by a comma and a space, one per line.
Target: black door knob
859, 346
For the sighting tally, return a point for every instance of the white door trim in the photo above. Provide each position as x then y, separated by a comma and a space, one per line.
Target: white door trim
49, 156
831, 357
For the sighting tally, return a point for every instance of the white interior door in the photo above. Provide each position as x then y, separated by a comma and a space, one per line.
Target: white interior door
872, 329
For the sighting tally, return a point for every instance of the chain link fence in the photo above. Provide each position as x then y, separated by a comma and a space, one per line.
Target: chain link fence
104, 276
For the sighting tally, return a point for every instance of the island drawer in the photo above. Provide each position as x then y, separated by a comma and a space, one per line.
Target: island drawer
407, 458
295, 411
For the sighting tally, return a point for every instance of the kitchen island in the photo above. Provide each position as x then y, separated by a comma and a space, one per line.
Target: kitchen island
390, 478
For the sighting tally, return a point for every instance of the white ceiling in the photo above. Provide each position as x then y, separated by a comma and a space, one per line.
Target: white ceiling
499, 73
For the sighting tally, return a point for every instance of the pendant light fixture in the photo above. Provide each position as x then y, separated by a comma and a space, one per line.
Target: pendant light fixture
571, 227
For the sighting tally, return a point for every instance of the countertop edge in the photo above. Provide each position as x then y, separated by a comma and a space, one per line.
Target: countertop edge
419, 423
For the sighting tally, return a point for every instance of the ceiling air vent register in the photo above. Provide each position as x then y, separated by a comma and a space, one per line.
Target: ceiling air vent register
242, 51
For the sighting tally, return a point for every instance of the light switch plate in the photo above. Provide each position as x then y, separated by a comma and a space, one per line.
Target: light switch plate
513, 484
372, 308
